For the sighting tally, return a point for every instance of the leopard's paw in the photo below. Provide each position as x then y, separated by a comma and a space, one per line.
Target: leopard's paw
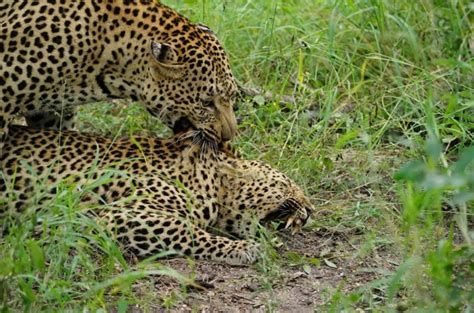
243, 252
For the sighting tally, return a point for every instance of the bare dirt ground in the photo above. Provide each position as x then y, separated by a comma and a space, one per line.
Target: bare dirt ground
294, 288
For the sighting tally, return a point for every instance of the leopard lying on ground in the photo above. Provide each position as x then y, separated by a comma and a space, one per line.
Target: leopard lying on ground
57, 54
161, 194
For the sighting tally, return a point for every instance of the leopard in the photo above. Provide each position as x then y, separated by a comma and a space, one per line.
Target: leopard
160, 194
58, 54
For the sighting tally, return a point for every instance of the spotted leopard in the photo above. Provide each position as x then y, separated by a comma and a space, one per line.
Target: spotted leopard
58, 54
160, 194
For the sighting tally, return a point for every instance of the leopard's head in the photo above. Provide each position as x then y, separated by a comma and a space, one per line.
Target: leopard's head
190, 84
256, 191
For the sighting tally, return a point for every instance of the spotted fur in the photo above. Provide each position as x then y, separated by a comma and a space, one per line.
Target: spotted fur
57, 54
162, 193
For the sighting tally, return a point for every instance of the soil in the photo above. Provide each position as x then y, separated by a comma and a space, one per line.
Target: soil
290, 287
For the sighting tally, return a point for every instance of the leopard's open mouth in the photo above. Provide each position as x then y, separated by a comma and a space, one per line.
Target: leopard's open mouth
291, 214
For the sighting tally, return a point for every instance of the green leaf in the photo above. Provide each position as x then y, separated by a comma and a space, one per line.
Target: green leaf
395, 280
328, 163
434, 148
344, 139
260, 100
26, 292
36, 255
122, 306
294, 257
314, 261
412, 171
330, 263
466, 158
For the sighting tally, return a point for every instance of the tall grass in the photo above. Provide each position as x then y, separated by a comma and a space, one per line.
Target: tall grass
371, 80
355, 93
58, 258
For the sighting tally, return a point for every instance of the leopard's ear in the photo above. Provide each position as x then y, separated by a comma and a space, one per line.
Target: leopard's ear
205, 28
165, 61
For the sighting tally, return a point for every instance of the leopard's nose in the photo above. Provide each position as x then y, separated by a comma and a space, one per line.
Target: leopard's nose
229, 128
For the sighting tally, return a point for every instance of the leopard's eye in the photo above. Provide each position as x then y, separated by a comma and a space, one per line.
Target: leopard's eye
208, 103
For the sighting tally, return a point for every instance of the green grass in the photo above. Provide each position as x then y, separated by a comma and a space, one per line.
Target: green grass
367, 104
